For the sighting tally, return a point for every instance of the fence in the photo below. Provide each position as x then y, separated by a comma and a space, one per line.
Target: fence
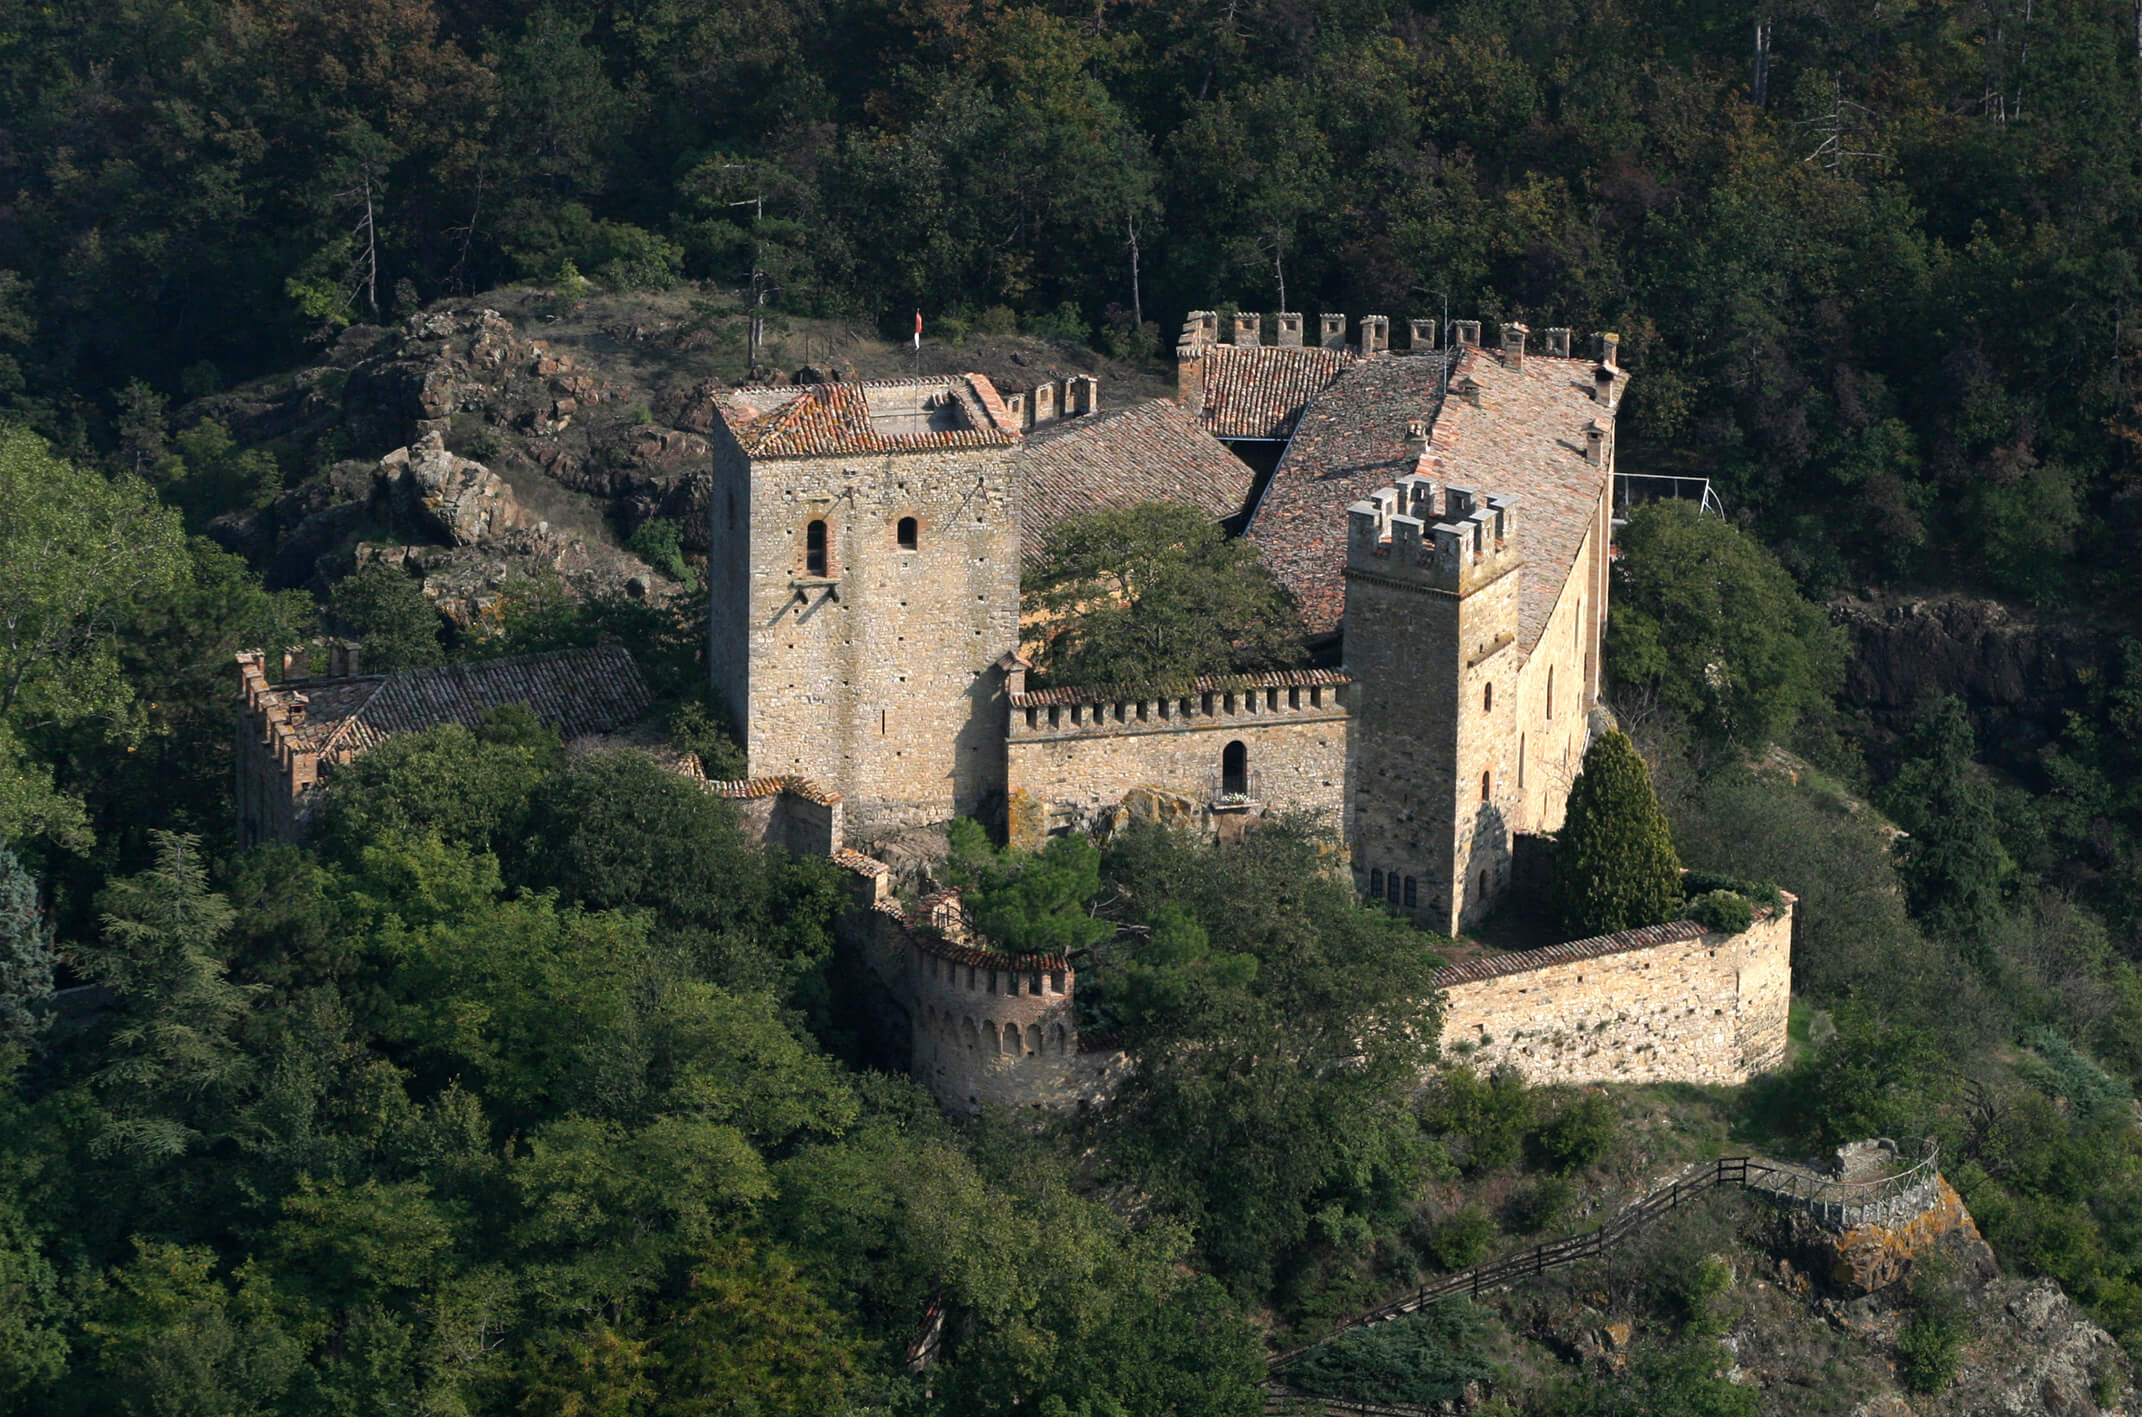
1839, 1204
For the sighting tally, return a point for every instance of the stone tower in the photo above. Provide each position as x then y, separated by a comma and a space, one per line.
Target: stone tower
865, 568
1431, 627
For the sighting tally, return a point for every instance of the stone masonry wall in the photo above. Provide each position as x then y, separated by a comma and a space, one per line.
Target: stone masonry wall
1547, 748
1068, 764
875, 678
1668, 1003
788, 812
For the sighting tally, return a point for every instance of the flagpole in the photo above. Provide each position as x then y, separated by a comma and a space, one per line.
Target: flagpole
918, 344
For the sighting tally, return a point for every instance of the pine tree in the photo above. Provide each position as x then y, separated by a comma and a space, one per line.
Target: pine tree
1615, 866
25, 954
1953, 865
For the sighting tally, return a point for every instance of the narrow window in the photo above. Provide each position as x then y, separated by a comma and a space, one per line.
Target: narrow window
1483, 885
1487, 786
1412, 897
1487, 699
732, 511
1550, 691
1390, 888
881, 723
814, 547
908, 529
1375, 882
1234, 769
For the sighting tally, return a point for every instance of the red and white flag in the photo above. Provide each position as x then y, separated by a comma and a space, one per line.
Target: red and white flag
918, 329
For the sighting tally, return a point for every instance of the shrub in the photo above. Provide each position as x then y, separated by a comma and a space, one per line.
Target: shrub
1492, 1114
1541, 1205
1579, 1134
659, 542
997, 320
1462, 1240
1930, 1348
1614, 865
1064, 323
1428, 1357
1723, 911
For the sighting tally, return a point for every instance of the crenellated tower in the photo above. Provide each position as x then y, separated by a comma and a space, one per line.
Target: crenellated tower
1431, 628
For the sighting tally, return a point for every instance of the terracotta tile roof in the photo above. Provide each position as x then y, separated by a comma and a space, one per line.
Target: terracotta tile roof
1210, 684
1350, 442
749, 787
575, 691
1258, 391
814, 420
1524, 440
1150, 452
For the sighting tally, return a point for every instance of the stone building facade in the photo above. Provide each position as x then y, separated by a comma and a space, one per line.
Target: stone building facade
865, 579
1214, 754
1667, 1003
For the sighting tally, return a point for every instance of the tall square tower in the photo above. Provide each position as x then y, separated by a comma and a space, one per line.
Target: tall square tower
865, 581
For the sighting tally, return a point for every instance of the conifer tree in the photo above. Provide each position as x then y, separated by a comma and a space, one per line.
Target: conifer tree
1615, 867
25, 954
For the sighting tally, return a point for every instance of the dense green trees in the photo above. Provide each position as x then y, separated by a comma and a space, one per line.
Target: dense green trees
1155, 594
1614, 862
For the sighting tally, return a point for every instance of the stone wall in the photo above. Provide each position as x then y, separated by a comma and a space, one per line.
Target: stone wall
790, 812
1074, 758
276, 773
874, 678
1667, 1003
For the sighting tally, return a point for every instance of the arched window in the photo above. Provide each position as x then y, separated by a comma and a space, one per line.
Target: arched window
1412, 895
1033, 1039
1390, 888
814, 547
1375, 882
1550, 691
910, 529
1234, 769
1487, 699
1483, 885
1487, 787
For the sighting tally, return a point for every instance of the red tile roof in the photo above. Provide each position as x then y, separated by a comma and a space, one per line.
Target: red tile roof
814, 420
1150, 452
1524, 440
1258, 391
1523, 961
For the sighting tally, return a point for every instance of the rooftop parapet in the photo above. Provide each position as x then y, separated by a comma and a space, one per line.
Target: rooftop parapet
1449, 539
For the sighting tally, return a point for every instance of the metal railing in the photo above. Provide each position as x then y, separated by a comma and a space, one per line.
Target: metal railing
1838, 1203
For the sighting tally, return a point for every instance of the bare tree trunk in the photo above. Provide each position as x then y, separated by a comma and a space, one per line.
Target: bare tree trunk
1761, 85
1137, 298
2022, 59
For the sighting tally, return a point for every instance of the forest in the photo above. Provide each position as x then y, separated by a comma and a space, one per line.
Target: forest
532, 1086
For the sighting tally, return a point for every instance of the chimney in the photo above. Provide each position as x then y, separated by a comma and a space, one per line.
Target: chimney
1288, 331
1375, 334
1331, 331
1249, 327
294, 665
1558, 342
341, 659
1417, 438
1420, 336
1603, 384
1467, 331
1190, 378
1468, 389
1082, 395
1015, 405
1513, 344
1610, 350
1044, 402
1594, 443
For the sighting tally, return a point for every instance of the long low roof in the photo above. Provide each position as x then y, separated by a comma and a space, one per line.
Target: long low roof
1525, 439
575, 691
1149, 452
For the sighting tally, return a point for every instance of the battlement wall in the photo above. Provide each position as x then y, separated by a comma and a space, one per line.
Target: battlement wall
984, 1028
1211, 756
1450, 539
1667, 1003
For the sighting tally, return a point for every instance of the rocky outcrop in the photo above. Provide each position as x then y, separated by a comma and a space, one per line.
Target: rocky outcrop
453, 497
2017, 673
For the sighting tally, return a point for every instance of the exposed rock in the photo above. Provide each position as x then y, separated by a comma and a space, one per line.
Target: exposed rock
2017, 674
455, 497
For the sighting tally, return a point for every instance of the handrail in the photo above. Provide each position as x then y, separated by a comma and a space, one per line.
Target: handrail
1792, 1184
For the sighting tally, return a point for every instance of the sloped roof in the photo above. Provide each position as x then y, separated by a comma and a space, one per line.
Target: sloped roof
813, 420
575, 691
1257, 391
1150, 452
1524, 440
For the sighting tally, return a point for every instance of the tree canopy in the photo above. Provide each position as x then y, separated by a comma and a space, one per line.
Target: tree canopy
1614, 862
1155, 594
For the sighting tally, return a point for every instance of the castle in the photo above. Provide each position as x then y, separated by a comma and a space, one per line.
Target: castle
1440, 516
